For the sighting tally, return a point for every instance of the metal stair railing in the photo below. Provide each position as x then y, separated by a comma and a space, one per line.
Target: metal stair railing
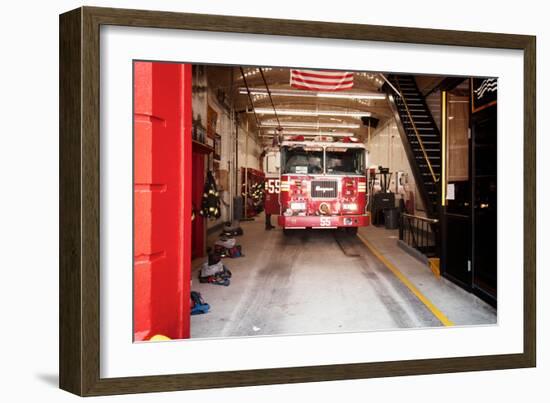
420, 233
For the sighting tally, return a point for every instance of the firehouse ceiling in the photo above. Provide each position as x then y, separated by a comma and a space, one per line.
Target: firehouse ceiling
266, 101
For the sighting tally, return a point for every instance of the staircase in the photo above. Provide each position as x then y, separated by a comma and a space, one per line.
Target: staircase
420, 137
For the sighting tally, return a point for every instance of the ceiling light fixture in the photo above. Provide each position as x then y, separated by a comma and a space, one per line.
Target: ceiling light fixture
307, 133
313, 125
313, 94
307, 112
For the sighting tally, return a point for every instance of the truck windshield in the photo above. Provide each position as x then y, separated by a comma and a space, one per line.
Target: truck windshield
344, 160
300, 160
310, 160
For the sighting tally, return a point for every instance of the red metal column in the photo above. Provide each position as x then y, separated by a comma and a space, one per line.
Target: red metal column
162, 203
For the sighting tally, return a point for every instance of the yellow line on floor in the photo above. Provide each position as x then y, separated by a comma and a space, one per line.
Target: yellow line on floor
433, 309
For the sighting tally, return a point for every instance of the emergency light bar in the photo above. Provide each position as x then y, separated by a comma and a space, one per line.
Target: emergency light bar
323, 139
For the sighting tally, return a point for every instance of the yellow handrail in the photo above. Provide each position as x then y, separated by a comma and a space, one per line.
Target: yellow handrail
417, 134
443, 175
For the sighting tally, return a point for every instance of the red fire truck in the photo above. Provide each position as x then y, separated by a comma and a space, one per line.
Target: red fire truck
272, 170
322, 185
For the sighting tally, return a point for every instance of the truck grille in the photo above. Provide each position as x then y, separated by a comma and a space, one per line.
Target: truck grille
324, 189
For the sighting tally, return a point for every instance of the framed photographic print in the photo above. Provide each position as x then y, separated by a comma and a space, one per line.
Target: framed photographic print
377, 242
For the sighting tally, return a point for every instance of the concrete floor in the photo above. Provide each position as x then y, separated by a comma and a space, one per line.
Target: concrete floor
309, 282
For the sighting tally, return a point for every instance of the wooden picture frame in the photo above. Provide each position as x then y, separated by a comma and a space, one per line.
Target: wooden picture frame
80, 199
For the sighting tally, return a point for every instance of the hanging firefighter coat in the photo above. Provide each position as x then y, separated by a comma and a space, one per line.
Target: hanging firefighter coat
210, 198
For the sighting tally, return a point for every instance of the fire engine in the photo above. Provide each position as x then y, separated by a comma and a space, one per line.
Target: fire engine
322, 185
272, 170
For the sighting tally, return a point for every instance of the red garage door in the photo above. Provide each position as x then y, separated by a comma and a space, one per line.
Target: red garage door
162, 204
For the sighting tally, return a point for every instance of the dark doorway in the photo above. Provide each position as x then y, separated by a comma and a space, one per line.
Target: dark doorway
198, 236
484, 202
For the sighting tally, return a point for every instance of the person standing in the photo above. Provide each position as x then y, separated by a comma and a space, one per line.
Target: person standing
268, 225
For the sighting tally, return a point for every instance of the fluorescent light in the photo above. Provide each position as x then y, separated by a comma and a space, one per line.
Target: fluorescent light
372, 95
307, 112
314, 94
309, 133
313, 125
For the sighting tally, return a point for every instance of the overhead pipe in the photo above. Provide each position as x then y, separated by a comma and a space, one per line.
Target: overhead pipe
271, 100
249, 96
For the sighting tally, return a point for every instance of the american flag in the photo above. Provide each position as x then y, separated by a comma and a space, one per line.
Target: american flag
321, 80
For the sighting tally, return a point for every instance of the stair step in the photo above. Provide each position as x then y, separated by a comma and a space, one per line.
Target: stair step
423, 136
421, 133
432, 146
425, 142
423, 128
416, 120
429, 140
426, 137
415, 109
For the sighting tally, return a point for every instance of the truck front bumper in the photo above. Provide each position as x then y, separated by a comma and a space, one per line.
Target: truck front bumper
323, 221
